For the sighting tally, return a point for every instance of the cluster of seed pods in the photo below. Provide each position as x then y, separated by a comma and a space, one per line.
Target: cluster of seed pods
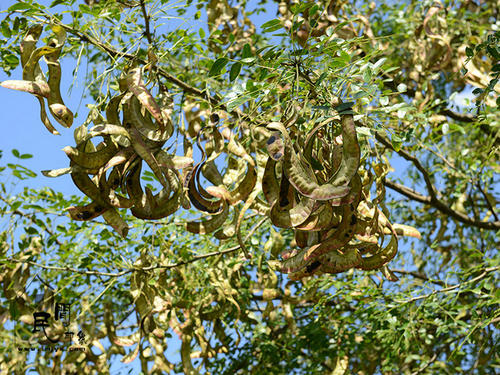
319, 193
304, 180
35, 82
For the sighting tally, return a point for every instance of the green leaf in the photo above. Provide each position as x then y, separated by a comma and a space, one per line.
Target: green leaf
367, 75
344, 106
363, 130
272, 25
247, 51
236, 102
359, 94
469, 52
493, 51
298, 8
16, 205
320, 79
15, 153
300, 52
313, 10
26, 156
57, 2
379, 63
31, 230
17, 24
235, 71
345, 57
396, 142
5, 29
217, 66
201, 33
337, 62
12, 60
20, 6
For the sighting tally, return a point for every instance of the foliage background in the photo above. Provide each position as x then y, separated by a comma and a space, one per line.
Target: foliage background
163, 292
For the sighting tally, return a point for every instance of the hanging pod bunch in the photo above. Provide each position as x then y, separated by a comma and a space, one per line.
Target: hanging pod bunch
45, 89
312, 185
133, 131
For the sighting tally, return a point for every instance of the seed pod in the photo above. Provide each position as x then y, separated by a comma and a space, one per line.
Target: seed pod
92, 160
381, 258
210, 225
301, 175
136, 85
87, 212
36, 88
56, 105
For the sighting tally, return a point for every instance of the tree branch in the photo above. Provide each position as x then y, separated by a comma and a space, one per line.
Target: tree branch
440, 206
488, 203
428, 183
420, 276
453, 287
463, 117
432, 199
406, 191
467, 117
429, 362
147, 31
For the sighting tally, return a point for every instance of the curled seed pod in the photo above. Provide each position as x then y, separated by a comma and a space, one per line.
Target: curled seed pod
301, 175
92, 160
380, 258
136, 85
56, 105
210, 225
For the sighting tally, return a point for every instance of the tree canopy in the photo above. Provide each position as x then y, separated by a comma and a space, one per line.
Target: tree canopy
293, 187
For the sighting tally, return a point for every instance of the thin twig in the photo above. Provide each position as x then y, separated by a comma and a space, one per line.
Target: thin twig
490, 206
420, 276
147, 31
429, 362
432, 199
66, 269
212, 254
453, 287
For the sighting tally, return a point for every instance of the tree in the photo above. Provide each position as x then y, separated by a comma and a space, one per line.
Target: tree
311, 146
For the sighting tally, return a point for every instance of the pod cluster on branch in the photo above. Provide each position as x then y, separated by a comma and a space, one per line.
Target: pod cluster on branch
308, 181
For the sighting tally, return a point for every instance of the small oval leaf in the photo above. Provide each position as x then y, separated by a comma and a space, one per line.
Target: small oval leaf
235, 71
217, 66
